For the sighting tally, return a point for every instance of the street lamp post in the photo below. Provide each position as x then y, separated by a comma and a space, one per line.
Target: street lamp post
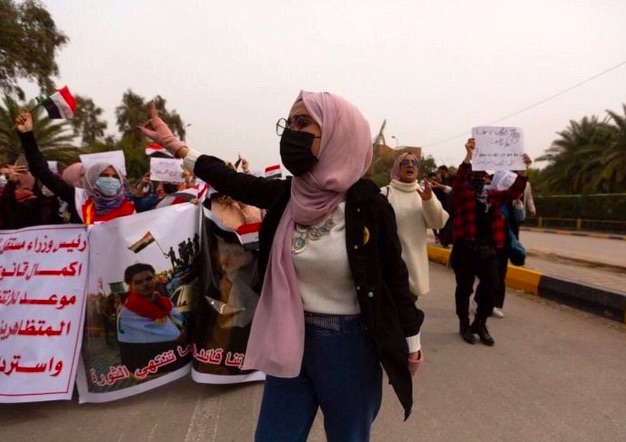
395, 138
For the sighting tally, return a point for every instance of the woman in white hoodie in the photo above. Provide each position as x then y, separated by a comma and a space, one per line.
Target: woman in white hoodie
417, 210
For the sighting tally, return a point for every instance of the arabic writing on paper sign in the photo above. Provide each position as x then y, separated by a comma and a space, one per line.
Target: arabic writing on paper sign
498, 148
166, 169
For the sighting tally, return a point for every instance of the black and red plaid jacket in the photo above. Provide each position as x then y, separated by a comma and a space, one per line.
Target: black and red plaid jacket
463, 197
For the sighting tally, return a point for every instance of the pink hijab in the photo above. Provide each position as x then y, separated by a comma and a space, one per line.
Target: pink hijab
276, 343
73, 174
395, 170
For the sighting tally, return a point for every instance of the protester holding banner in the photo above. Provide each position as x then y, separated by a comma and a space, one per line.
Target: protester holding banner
106, 193
478, 236
416, 211
335, 301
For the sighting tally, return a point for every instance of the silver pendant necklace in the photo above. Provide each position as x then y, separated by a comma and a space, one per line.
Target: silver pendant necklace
306, 233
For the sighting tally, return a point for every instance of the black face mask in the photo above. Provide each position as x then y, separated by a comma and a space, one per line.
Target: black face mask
170, 188
295, 151
477, 185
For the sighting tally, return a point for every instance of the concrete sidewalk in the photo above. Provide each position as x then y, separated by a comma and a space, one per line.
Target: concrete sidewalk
576, 233
587, 284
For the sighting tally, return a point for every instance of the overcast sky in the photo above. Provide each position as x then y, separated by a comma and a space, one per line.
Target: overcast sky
433, 69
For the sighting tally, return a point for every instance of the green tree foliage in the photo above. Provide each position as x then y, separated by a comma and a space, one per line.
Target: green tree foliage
54, 137
133, 112
29, 39
588, 157
614, 174
86, 121
427, 165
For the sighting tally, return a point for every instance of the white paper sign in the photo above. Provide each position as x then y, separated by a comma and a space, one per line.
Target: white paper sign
498, 148
53, 166
42, 303
169, 170
114, 157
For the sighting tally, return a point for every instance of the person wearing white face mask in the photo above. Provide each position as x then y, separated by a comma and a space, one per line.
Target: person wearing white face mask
105, 192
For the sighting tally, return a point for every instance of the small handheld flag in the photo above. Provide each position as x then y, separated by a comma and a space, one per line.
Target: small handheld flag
160, 151
61, 104
273, 172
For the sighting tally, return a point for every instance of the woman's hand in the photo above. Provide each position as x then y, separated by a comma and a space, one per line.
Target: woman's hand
24, 122
470, 146
527, 162
156, 130
14, 171
415, 360
145, 182
427, 193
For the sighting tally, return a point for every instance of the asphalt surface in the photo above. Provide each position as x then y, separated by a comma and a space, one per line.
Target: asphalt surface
554, 374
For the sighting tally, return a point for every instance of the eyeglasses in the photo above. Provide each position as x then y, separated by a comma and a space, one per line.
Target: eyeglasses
297, 123
405, 163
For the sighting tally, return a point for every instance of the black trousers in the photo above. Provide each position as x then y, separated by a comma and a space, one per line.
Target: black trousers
470, 261
503, 265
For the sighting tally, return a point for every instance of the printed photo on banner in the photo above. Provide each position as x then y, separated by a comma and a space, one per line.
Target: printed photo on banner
230, 289
168, 170
113, 157
143, 277
498, 148
42, 303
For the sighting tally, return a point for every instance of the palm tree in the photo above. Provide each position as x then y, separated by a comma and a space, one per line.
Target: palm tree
614, 158
575, 159
133, 112
86, 121
54, 137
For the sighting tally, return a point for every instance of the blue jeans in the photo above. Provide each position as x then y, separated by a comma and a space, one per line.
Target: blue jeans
340, 374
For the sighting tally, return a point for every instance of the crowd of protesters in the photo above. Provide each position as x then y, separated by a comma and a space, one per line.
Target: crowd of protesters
335, 251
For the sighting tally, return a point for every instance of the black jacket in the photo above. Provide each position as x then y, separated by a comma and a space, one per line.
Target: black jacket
374, 254
38, 166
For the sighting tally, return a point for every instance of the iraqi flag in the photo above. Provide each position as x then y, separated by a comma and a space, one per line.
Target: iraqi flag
142, 243
157, 150
61, 104
248, 233
273, 172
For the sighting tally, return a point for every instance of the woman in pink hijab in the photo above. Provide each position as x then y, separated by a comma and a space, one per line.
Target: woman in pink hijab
335, 303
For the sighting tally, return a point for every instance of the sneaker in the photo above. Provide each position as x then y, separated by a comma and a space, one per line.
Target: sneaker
498, 313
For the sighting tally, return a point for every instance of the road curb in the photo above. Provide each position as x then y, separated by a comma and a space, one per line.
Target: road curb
601, 302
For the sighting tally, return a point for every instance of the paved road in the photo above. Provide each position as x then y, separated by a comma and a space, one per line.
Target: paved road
609, 251
555, 374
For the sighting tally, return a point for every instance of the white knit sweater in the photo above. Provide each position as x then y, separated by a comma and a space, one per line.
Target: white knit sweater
414, 216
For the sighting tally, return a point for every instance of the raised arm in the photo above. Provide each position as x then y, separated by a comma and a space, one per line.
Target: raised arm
256, 191
37, 164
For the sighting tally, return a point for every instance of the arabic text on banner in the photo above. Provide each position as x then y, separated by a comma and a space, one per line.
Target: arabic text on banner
42, 300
